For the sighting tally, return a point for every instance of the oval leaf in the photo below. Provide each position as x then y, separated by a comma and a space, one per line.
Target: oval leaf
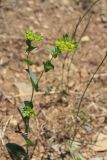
54, 51
16, 151
33, 79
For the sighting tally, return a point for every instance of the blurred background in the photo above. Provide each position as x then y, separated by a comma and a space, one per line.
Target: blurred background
52, 19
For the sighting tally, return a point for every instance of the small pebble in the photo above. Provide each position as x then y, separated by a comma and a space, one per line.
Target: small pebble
85, 39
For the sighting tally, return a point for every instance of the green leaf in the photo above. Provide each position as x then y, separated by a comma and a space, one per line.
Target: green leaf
54, 52
33, 79
29, 44
16, 151
27, 104
30, 48
48, 66
27, 61
33, 37
77, 156
66, 37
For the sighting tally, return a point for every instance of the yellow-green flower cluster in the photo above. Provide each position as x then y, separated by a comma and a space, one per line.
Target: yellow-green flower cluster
66, 45
28, 112
33, 37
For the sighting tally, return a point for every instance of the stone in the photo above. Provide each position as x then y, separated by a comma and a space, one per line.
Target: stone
55, 147
101, 142
13, 122
85, 39
23, 88
87, 128
65, 2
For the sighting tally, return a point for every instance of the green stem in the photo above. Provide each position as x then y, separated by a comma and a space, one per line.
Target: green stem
42, 73
63, 67
28, 67
33, 90
27, 125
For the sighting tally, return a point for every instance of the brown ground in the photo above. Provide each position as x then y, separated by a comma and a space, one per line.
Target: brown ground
54, 126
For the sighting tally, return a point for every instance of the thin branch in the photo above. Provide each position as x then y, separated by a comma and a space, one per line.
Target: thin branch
69, 65
84, 15
85, 27
82, 97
